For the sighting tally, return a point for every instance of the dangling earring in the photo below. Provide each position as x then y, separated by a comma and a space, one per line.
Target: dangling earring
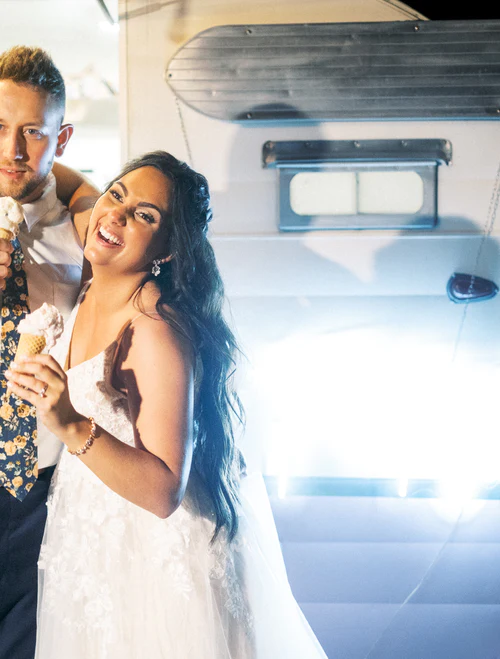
155, 270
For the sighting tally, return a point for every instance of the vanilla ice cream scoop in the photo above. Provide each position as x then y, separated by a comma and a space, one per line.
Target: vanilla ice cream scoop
11, 216
45, 323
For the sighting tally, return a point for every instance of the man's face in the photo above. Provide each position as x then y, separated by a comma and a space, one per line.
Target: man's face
30, 136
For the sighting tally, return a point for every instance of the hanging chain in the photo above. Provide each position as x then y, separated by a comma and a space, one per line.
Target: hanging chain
491, 218
184, 131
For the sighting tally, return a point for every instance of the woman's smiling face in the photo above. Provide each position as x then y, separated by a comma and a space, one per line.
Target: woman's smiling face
128, 224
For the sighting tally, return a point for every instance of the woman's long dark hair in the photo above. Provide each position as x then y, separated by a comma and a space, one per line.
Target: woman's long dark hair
191, 301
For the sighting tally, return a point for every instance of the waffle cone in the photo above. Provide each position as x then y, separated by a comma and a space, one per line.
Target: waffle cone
29, 344
6, 235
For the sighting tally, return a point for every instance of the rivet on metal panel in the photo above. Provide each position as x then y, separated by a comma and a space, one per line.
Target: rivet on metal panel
248, 31
447, 146
416, 28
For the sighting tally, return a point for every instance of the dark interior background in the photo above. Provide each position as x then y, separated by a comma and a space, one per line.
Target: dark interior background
437, 10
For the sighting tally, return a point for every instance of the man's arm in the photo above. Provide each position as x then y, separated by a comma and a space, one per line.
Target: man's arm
78, 194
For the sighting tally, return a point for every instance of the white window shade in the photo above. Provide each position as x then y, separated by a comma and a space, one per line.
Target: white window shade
324, 193
390, 192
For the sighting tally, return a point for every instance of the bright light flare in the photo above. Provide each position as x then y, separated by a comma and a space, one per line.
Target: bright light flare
373, 402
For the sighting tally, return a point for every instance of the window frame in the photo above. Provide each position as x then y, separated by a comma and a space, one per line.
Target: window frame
420, 156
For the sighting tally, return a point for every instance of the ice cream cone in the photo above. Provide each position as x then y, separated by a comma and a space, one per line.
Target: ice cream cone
38, 330
11, 217
6, 235
29, 344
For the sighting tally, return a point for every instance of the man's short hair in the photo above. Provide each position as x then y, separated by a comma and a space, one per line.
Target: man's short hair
25, 65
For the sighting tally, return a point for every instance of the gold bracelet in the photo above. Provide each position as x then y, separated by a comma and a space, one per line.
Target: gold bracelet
83, 449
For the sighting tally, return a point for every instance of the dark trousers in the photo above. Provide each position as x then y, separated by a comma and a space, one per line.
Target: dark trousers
21, 532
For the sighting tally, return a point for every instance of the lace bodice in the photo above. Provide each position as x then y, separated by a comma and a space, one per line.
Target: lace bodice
92, 393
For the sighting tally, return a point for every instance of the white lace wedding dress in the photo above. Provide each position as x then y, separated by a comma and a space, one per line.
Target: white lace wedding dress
116, 582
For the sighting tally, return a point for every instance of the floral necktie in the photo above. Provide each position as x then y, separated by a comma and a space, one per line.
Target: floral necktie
18, 435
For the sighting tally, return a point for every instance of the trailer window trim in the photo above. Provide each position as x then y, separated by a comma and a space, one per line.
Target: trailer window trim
357, 172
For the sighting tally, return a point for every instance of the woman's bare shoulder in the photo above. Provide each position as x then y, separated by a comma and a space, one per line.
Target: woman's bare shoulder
150, 339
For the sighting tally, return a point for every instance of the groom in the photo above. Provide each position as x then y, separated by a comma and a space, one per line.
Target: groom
32, 133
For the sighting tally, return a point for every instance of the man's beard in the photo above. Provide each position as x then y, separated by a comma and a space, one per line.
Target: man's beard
20, 190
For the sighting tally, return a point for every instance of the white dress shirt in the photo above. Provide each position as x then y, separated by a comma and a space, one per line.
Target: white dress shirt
53, 257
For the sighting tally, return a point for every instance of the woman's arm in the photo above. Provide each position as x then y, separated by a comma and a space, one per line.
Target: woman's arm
157, 373
76, 192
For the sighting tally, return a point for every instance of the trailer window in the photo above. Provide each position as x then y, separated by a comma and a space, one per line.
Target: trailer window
355, 193
375, 184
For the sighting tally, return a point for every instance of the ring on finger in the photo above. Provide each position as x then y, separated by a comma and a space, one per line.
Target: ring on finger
43, 391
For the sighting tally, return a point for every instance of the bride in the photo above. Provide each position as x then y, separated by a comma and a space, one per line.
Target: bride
157, 543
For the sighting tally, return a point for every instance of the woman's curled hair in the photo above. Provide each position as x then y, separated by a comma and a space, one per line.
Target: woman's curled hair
191, 301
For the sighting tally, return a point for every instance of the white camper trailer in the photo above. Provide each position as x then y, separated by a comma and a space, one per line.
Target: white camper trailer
353, 153
370, 393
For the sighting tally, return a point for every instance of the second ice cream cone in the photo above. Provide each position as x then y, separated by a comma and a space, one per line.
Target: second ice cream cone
29, 344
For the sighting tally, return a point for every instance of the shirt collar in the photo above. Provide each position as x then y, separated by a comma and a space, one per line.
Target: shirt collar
37, 210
